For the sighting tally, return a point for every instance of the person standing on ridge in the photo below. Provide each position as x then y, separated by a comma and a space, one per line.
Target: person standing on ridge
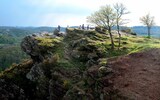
82, 26
59, 28
87, 27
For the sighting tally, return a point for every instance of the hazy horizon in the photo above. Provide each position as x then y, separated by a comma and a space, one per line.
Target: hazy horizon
35, 13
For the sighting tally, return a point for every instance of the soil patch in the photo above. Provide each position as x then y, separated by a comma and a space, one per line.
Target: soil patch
137, 76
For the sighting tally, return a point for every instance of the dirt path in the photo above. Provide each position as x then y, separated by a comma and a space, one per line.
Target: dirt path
137, 76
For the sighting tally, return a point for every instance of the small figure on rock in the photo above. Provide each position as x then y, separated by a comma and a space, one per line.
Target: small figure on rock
87, 27
67, 26
82, 26
59, 28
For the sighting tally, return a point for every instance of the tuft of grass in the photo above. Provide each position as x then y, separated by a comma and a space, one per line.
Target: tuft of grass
49, 42
140, 43
131, 44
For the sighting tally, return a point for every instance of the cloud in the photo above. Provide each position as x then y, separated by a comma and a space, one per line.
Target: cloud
54, 12
53, 19
85, 4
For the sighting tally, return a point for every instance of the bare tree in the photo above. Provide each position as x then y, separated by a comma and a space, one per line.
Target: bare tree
120, 10
148, 20
105, 17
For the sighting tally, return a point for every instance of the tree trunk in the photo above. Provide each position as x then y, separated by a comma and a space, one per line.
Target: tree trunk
112, 42
119, 40
149, 35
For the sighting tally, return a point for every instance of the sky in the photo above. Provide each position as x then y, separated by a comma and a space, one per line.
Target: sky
69, 12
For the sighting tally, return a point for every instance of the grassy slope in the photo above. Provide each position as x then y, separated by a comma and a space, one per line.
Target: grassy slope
132, 44
129, 44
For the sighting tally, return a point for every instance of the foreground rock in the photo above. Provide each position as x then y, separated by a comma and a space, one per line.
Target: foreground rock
60, 69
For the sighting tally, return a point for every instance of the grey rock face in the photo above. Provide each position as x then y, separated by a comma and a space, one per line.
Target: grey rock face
11, 91
30, 45
35, 73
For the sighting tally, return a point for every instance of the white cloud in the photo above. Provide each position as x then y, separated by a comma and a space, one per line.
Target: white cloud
137, 8
53, 19
87, 4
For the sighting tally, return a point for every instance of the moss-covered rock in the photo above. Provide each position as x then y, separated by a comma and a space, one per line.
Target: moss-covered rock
69, 68
39, 47
85, 46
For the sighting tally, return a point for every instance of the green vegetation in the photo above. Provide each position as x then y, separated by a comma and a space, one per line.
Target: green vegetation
107, 17
69, 66
10, 39
76, 65
148, 20
81, 41
6, 39
10, 51
48, 42
11, 54
132, 44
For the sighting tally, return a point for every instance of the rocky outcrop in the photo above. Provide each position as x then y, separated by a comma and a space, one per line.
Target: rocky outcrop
30, 46
35, 73
14, 85
39, 49
11, 91
83, 46
71, 69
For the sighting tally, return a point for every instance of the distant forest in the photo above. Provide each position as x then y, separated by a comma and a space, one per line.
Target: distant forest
10, 38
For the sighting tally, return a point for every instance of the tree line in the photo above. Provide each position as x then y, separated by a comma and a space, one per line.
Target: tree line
108, 16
